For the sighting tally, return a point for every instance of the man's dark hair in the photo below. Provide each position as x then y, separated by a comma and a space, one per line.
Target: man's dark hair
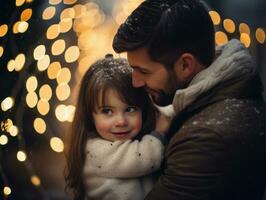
168, 28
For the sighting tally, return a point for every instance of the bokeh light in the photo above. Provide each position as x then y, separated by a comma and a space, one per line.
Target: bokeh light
39, 125
57, 144
21, 156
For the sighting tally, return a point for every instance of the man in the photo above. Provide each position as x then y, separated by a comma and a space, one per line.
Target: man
217, 138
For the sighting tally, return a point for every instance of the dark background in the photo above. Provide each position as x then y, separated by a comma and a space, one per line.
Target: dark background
41, 159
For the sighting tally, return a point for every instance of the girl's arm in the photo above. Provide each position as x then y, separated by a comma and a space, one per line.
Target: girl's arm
124, 159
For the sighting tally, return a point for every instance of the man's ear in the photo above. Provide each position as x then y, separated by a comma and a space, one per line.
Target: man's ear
185, 67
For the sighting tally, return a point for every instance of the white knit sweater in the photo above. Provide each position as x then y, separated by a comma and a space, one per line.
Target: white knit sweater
121, 170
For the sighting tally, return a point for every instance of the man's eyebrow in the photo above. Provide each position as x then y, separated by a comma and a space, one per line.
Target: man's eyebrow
139, 68
135, 67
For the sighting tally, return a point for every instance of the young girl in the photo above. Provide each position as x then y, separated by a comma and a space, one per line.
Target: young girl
111, 156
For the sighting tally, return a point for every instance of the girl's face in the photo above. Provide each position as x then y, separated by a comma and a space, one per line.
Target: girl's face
116, 120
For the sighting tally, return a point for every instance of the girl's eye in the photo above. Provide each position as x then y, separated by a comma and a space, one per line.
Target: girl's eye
131, 109
107, 111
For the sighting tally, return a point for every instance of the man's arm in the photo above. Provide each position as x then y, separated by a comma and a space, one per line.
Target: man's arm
194, 164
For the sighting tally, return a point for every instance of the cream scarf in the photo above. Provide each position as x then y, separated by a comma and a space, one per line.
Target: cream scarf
233, 60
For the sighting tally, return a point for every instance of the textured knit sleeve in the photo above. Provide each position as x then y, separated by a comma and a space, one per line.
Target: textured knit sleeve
123, 159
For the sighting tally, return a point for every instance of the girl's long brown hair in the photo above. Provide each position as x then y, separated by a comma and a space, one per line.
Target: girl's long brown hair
107, 73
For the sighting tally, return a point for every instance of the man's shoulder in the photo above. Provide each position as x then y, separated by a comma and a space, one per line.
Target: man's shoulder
225, 121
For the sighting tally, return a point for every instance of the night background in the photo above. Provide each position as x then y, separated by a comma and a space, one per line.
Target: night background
45, 48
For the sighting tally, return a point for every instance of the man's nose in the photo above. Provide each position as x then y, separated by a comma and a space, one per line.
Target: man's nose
136, 80
121, 120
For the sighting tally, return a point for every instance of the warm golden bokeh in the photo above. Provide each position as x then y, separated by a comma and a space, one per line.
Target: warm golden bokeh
1, 51
21, 156
244, 28
39, 125
72, 54
65, 25
58, 47
39, 52
26, 14
31, 99
35, 180
3, 139
20, 2
229, 25
31, 83
43, 63
245, 39
7, 190
3, 30
53, 70
45, 92
64, 76
260, 35
53, 31
49, 13
54, 2
67, 13
69, 2
62, 91
20, 61
43, 107
216, 19
13, 130
23, 26
7, 103
57, 144
220, 38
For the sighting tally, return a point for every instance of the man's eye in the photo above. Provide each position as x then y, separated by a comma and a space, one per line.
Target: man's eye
107, 111
131, 109
141, 71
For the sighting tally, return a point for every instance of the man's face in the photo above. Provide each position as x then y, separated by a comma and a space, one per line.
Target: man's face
160, 83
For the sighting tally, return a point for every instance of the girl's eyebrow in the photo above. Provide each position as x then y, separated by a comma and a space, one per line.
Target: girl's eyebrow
106, 106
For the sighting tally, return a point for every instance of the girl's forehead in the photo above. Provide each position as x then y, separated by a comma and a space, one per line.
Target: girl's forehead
110, 97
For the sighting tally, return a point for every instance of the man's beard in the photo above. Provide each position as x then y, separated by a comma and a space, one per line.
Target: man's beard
164, 98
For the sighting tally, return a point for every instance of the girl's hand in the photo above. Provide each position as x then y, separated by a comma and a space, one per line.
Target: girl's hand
163, 124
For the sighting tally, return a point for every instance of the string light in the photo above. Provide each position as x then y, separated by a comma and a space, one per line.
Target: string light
1, 51
7, 103
35, 180
26, 14
39, 125
3, 139
49, 13
260, 35
72, 54
57, 144
20, 2
58, 47
53, 70
13, 130
229, 25
7, 191
245, 39
39, 52
20, 61
220, 38
3, 30
23, 26
21, 156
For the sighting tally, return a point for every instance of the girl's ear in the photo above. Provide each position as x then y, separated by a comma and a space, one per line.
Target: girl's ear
185, 66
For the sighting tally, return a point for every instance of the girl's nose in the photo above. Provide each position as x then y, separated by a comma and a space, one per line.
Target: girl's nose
121, 121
